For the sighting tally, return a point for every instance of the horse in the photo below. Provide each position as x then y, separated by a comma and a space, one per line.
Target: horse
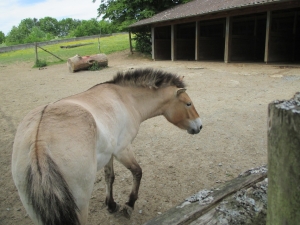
59, 147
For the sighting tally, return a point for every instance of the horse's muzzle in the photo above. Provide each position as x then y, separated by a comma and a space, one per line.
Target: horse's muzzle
195, 131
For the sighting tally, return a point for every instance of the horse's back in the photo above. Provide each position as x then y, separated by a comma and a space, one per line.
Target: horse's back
61, 132
67, 129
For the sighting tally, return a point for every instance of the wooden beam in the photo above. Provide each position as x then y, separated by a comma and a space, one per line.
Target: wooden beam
184, 214
227, 52
197, 33
173, 42
268, 29
50, 53
153, 42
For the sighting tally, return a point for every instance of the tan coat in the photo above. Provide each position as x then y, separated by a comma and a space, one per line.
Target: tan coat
59, 147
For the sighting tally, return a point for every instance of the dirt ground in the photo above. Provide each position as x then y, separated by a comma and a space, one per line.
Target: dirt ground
232, 100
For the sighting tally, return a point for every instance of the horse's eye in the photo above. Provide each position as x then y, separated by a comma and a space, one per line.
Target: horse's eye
188, 104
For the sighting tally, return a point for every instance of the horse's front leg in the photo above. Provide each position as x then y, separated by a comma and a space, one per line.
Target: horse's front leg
109, 179
126, 157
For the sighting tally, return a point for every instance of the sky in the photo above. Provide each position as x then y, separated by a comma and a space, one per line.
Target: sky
13, 11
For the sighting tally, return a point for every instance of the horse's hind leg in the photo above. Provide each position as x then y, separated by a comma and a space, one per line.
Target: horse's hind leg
126, 157
109, 179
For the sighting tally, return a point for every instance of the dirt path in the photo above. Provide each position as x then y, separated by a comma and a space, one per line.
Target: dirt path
231, 99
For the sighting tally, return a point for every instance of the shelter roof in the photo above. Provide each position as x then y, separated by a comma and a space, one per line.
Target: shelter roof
201, 7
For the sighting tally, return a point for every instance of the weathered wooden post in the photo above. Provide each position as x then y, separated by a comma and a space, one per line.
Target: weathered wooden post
284, 162
130, 42
36, 52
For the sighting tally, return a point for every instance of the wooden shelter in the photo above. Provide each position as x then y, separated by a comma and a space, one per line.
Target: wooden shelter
227, 30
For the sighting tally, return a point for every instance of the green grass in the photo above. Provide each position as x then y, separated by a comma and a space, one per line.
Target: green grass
108, 45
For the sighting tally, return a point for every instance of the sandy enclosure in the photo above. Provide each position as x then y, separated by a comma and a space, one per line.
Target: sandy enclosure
232, 100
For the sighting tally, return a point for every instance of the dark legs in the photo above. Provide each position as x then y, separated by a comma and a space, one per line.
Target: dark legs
109, 179
126, 157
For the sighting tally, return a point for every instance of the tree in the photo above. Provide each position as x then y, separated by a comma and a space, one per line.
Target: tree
17, 35
122, 13
34, 30
107, 27
2, 37
65, 26
37, 35
26, 25
49, 25
14, 36
129, 11
86, 28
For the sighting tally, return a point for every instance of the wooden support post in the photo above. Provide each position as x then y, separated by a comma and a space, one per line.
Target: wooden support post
130, 43
153, 42
255, 39
284, 162
197, 41
227, 52
268, 29
173, 42
294, 37
36, 52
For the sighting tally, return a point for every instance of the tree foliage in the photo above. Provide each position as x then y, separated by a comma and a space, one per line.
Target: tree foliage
34, 30
93, 27
14, 37
2, 37
65, 26
49, 25
128, 11
37, 35
122, 13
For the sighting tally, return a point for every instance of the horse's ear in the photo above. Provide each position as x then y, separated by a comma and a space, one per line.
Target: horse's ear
181, 78
179, 91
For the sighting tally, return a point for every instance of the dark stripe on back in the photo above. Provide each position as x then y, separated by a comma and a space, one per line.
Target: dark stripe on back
36, 141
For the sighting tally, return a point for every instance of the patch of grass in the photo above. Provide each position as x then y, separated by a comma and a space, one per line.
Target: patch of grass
40, 63
108, 45
95, 66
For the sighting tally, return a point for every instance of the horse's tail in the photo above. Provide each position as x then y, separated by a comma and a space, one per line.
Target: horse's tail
48, 193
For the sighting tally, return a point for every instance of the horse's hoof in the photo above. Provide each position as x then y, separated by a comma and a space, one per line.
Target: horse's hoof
127, 211
116, 209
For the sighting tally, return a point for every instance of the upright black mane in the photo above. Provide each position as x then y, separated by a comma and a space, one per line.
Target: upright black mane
147, 78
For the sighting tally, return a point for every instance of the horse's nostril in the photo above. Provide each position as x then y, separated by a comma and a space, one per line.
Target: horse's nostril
200, 127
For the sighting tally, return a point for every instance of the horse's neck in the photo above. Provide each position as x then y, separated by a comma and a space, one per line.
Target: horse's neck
150, 103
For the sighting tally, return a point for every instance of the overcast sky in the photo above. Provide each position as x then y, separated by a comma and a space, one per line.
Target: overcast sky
13, 11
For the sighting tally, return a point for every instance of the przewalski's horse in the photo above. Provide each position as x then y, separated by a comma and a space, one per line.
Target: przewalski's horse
59, 147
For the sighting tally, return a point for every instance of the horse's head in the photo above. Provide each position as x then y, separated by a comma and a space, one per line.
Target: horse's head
182, 113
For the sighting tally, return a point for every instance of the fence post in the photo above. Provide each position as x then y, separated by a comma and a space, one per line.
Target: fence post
284, 162
130, 43
36, 52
